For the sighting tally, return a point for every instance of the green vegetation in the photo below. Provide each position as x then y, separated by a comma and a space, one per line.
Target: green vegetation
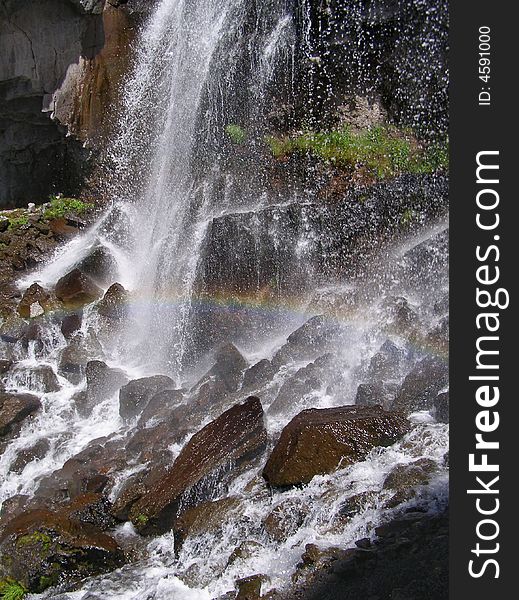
141, 520
61, 207
237, 134
11, 589
33, 539
383, 151
20, 221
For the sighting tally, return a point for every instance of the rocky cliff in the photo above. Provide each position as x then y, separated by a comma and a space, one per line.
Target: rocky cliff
60, 63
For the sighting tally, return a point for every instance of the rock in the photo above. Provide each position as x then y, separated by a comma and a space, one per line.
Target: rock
99, 265
441, 407
76, 355
371, 394
13, 329
5, 366
135, 396
41, 549
27, 455
71, 323
311, 339
244, 551
284, 520
76, 289
407, 476
113, 305
399, 315
305, 381
102, 383
41, 379
228, 368
36, 301
160, 407
258, 375
422, 385
209, 460
14, 408
207, 517
249, 588
386, 362
91, 508
317, 441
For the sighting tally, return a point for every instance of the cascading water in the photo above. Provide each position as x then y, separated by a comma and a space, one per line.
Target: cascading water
212, 252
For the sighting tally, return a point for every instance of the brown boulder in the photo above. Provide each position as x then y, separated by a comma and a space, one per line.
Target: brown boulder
14, 408
102, 383
208, 461
135, 396
36, 301
318, 441
77, 289
114, 302
40, 549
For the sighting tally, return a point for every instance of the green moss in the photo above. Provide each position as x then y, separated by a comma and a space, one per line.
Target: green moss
407, 216
61, 207
20, 221
47, 581
237, 134
38, 538
384, 151
11, 589
141, 520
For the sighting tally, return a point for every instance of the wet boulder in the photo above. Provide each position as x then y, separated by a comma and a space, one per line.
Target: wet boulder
204, 467
36, 301
371, 394
441, 407
304, 382
422, 385
258, 375
41, 549
70, 324
114, 303
99, 265
160, 407
13, 329
102, 383
14, 408
404, 476
207, 517
135, 396
5, 366
386, 362
41, 379
228, 368
284, 520
77, 289
35, 452
314, 337
318, 441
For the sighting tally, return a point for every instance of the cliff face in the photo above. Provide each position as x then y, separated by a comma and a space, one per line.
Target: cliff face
60, 62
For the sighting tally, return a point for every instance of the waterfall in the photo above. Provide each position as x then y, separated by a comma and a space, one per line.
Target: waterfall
217, 242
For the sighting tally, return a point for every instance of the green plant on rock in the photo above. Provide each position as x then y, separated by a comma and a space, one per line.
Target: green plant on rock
10, 589
60, 207
141, 519
20, 221
237, 134
384, 151
37, 538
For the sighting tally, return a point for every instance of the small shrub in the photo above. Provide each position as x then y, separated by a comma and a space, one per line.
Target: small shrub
19, 221
237, 134
11, 589
61, 207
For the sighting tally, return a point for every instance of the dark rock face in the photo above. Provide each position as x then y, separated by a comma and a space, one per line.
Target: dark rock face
408, 560
41, 549
228, 368
102, 382
60, 63
317, 441
113, 303
134, 396
77, 289
14, 408
99, 265
36, 294
422, 385
205, 465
